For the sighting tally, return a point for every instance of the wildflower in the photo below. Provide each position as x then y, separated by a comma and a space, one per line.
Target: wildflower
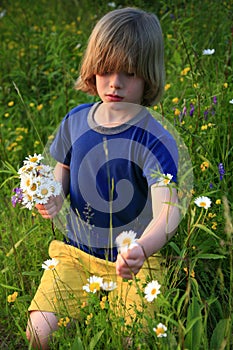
204, 166
225, 85
94, 285
31, 104
167, 86
36, 158
208, 52
64, 321
11, 103
166, 179
160, 330
37, 183
50, 264
6, 115
18, 196
203, 202
218, 201
214, 225
185, 71
125, 241
152, 290
103, 302
191, 110
204, 127
39, 107
12, 297
177, 112
89, 317
215, 100
231, 101
221, 171
175, 100
109, 286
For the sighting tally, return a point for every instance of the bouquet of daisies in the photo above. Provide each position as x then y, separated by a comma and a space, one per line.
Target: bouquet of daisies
37, 183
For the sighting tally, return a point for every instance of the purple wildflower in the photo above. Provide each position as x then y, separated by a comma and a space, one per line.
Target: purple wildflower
221, 171
17, 197
191, 110
215, 100
211, 185
206, 112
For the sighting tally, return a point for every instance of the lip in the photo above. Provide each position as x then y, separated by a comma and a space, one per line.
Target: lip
113, 98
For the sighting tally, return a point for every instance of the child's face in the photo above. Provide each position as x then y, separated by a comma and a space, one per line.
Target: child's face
120, 87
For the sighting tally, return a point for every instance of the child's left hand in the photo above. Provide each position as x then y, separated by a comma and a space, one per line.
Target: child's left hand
128, 264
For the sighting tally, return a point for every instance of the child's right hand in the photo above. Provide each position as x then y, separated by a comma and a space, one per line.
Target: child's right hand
51, 208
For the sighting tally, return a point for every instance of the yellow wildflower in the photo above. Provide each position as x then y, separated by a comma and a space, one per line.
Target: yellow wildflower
169, 36
185, 71
204, 127
214, 225
39, 107
12, 297
225, 85
167, 86
102, 302
204, 166
89, 317
6, 115
175, 100
177, 112
63, 321
11, 103
218, 201
31, 104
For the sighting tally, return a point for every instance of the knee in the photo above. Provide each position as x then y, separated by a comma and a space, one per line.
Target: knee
39, 329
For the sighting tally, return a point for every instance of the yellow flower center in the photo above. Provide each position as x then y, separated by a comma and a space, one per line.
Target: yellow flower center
202, 204
44, 191
51, 267
94, 286
126, 241
33, 187
34, 159
159, 331
153, 291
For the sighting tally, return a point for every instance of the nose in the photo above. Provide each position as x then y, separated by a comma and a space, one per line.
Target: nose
115, 81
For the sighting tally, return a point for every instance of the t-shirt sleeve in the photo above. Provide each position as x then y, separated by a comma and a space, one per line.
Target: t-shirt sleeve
162, 158
61, 147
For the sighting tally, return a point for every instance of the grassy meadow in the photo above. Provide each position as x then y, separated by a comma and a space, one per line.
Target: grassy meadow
41, 44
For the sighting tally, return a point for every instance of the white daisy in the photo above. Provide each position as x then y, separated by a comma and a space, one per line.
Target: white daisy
166, 179
35, 159
125, 240
109, 286
50, 264
231, 101
44, 192
152, 290
160, 330
208, 52
94, 285
26, 182
203, 202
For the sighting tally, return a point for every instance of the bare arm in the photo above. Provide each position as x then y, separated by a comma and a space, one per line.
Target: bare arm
51, 209
162, 227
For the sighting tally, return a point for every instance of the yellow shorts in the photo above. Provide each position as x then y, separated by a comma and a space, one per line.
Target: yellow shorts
61, 289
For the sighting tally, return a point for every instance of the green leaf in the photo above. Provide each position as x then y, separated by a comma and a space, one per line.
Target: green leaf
194, 327
219, 333
77, 344
207, 230
95, 340
210, 256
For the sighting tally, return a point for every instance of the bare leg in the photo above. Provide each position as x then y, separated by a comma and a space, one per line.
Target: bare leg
40, 327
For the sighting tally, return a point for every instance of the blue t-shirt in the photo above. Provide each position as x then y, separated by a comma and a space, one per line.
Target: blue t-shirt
111, 171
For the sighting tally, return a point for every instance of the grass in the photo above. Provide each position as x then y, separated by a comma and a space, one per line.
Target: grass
41, 47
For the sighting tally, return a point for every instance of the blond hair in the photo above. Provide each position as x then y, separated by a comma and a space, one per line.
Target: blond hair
129, 40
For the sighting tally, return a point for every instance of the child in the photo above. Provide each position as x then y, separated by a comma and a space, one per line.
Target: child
107, 153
